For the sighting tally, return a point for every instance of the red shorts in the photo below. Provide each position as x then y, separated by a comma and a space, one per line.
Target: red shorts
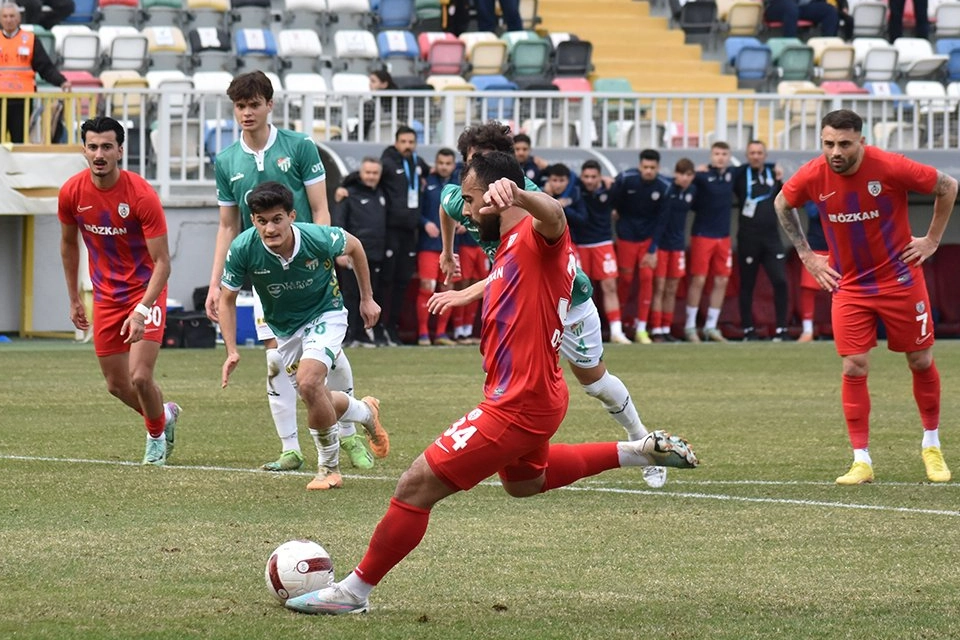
428, 266
474, 264
108, 320
630, 253
598, 261
905, 314
671, 264
491, 440
806, 280
710, 255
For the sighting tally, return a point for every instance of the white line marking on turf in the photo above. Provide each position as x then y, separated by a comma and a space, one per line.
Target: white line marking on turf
600, 489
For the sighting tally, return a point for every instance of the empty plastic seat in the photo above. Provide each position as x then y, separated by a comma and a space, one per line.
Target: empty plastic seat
487, 57
300, 50
529, 57
166, 47
84, 12
216, 105
160, 13
210, 49
792, 59
351, 14
875, 59
396, 14
308, 14
743, 18
833, 58
869, 19
573, 58
256, 49
177, 86
251, 14
947, 18
699, 21
399, 50
79, 50
183, 139
950, 47
355, 50
429, 15
446, 57
917, 60
208, 13
426, 39
217, 136
126, 99
118, 12
498, 108
123, 48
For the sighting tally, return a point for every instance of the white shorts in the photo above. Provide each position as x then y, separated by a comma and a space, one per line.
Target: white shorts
320, 339
264, 332
582, 341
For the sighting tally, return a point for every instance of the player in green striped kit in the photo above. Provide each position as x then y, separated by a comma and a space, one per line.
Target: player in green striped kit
292, 267
265, 152
582, 344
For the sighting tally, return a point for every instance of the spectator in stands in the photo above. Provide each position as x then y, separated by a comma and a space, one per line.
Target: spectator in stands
671, 260
58, 11
381, 80
487, 15
789, 12
758, 238
457, 16
641, 195
402, 182
895, 23
808, 284
429, 247
593, 242
846, 19
362, 212
710, 241
21, 58
531, 164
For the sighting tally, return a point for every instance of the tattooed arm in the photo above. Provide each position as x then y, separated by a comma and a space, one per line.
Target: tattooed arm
818, 265
919, 249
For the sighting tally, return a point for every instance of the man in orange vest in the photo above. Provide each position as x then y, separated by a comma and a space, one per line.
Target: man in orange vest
20, 56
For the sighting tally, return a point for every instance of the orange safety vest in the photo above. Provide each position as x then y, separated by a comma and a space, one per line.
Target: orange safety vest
16, 63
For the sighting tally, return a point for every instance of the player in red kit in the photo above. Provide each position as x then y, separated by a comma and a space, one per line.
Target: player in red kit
874, 271
525, 398
121, 221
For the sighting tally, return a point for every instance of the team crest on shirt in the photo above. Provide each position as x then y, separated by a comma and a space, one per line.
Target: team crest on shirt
123, 210
655, 196
921, 307
312, 264
284, 164
874, 187
688, 197
603, 197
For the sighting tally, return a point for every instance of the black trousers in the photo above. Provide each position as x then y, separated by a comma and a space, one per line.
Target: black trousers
15, 113
33, 12
753, 251
351, 296
895, 23
399, 265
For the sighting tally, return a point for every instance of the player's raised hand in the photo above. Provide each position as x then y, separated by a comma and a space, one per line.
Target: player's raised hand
78, 316
212, 303
370, 312
499, 196
819, 267
918, 250
233, 359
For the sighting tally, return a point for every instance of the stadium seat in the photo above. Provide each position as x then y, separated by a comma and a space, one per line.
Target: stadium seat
917, 60
217, 136
216, 105
550, 133
615, 107
446, 57
256, 49
351, 14
399, 51
699, 22
875, 59
441, 81
426, 40
573, 58
123, 48
125, 101
557, 37
529, 15
84, 12
499, 108
300, 50
308, 14
743, 18
184, 143
178, 87
302, 84
118, 12
166, 47
396, 14
210, 49
869, 19
487, 57
470, 38
513, 37
163, 13
529, 58
251, 14
832, 57
625, 134
792, 60
797, 110
899, 136
355, 50
80, 51
929, 97
208, 13
429, 15
947, 20
950, 47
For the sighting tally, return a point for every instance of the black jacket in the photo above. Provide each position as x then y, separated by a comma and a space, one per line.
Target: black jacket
364, 214
764, 220
395, 185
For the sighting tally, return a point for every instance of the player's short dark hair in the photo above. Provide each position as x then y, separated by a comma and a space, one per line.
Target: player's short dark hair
557, 169
447, 152
490, 166
267, 195
403, 129
248, 86
720, 144
102, 124
650, 154
522, 137
684, 165
590, 164
842, 119
490, 136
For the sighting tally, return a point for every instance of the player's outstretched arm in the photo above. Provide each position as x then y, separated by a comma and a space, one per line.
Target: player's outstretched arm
369, 309
228, 330
443, 300
818, 266
919, 249
227, 230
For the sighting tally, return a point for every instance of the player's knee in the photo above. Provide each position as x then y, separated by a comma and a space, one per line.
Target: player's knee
920, 360
141, 380
274, 363
523, 489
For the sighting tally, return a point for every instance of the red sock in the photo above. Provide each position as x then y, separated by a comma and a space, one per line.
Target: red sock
856, 409
613, 315
623, 295
667, 321
926, 391
423, 316
645, 295
656, 317
807, 299
155, 425
567, 463
470, 315
398, 533
442, 320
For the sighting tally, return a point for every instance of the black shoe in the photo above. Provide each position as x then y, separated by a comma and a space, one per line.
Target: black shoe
393, 337
750, 335
658, 338
782, 335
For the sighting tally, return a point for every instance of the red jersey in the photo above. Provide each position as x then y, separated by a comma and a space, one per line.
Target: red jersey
525, 301
865, 216
115, 224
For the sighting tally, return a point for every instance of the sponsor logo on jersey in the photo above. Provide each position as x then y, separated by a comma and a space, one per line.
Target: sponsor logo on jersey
86, 208
261, 272
874, 187
284, 164
123, 209
99, 230
859, 216
317, 168
824, 197
278, 288
236, 176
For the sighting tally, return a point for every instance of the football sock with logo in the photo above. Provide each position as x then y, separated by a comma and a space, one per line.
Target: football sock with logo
613, 394
926, 391
856, 409
282, 397
567, 463
397, 534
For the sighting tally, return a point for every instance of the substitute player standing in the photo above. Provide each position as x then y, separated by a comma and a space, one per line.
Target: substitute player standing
120, 218
874, 271
525, 398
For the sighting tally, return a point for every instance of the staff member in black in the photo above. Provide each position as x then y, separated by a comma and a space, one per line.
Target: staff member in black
758, 238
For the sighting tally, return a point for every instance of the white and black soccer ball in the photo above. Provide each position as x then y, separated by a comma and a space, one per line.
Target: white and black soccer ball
298, 567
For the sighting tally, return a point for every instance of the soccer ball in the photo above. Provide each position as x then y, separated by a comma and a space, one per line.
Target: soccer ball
298, 567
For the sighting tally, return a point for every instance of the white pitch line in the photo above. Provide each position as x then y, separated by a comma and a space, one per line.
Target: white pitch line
599, 489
